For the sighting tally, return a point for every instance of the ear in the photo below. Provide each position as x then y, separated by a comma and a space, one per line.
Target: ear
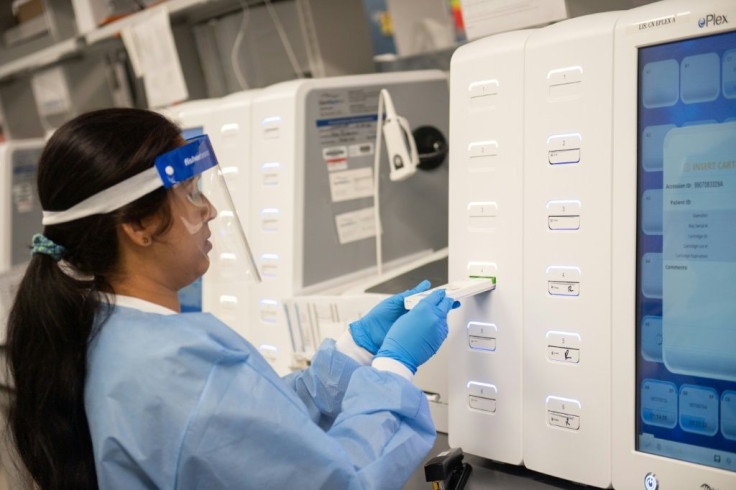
139, 233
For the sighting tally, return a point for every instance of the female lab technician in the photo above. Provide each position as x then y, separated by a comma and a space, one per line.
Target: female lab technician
116, 389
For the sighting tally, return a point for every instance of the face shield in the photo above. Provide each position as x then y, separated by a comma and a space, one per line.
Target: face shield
205, 219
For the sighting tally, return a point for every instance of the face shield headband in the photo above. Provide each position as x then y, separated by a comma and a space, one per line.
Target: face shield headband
169, 169
193, 159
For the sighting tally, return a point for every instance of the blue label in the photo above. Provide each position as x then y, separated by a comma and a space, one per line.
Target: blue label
186, 161
337, 121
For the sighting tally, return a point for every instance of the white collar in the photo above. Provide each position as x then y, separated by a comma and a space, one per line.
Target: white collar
142, 305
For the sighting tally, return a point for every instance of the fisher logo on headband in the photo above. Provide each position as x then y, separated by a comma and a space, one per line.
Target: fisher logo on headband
187, 161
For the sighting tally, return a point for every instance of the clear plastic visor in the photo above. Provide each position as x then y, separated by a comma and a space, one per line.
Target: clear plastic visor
203, 209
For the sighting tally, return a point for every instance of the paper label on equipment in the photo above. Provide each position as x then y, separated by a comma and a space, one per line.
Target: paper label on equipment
351, 184
336, 158
355, 225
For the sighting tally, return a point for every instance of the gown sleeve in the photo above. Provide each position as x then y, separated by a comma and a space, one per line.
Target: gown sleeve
251, 430
321, 387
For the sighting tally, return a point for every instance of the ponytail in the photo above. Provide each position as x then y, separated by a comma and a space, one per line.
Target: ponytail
49, 327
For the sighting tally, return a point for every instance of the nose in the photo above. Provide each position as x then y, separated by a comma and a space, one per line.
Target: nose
210, 211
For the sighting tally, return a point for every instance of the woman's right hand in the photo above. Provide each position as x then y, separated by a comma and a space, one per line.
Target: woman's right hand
417, 335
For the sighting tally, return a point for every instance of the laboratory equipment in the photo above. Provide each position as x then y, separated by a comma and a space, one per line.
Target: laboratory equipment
313, 227
628, 378
567, 249
401, 148
516, 215
20, 209
485, 211
673, 262
193, 116
231, 129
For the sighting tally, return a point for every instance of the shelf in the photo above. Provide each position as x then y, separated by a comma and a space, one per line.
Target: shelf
42, 57
174, 7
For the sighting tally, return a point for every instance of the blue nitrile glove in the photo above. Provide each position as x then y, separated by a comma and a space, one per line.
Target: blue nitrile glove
369, 331
416, 336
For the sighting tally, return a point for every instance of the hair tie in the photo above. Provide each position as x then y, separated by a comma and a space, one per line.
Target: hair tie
42, 245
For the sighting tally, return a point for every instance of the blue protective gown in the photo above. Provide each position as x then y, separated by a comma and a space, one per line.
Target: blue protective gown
182, 401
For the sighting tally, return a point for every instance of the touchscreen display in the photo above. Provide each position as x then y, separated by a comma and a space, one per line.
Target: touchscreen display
686, 251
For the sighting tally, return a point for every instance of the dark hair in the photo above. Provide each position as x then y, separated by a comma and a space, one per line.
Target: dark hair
55, 312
